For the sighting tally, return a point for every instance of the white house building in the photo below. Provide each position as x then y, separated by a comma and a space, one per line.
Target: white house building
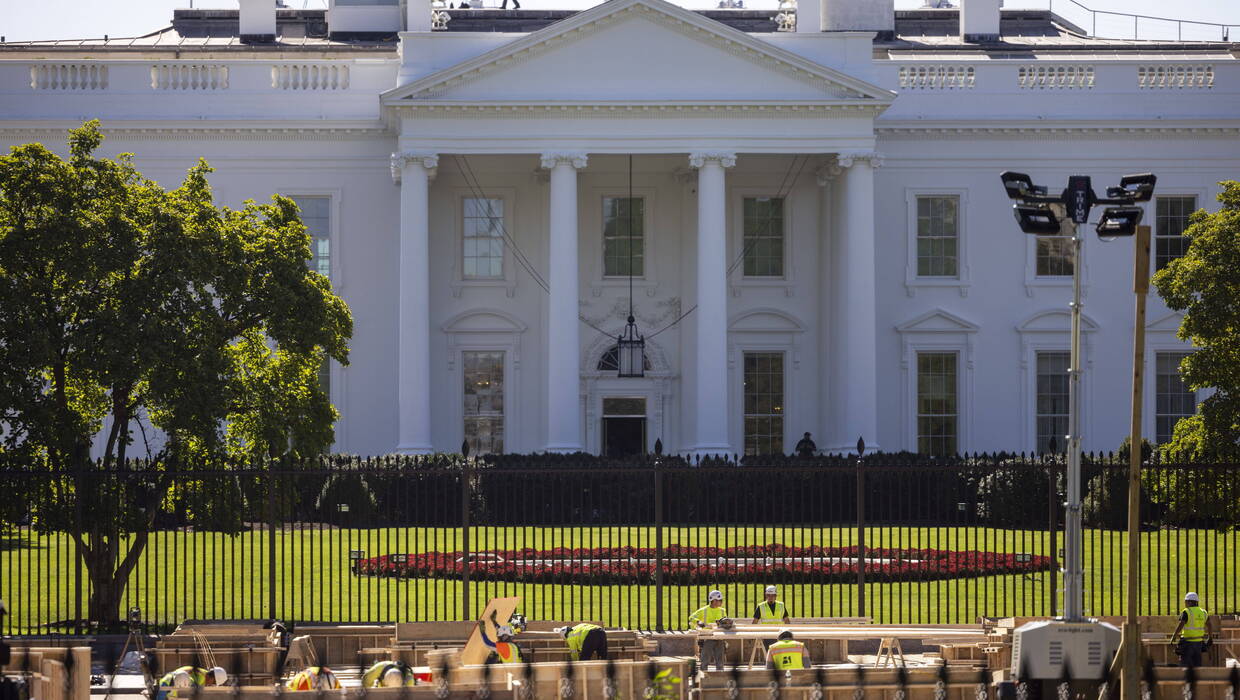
808, 212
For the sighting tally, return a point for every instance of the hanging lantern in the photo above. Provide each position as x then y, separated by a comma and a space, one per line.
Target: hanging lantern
631, 352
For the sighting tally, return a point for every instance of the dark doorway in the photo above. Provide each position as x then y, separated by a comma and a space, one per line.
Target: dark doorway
624, 436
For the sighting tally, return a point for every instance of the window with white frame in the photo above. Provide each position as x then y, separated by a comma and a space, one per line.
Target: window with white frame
1054, 256
938, 236
938, 417
1170, 219
1052, 401
316, 215
764, 403
763, 239
624, 231
1172, 399
484, 400
482, 239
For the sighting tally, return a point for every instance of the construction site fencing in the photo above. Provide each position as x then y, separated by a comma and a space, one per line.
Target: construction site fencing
635, 543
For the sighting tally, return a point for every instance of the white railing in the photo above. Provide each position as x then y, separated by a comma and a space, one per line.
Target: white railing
69, 76
1172, 77
310, 77
193, 76
1061, 77
937, 77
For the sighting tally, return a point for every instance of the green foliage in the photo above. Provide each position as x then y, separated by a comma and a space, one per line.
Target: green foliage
137, 309
663, 686
1204, 284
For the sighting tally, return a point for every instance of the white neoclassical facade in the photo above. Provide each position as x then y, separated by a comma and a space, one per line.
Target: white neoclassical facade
806, 215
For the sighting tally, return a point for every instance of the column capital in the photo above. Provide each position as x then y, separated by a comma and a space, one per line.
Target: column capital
576, 159
726, 159
848, 158
400, 159
828, 171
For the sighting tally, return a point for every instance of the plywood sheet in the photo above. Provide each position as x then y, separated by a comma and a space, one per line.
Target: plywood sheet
476, 652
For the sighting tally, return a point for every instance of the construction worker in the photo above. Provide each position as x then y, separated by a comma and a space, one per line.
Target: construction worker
314, 678
388, 674
187, 677
585, 641
787, 653
1191, 636
710, 650
503, 649
772, 611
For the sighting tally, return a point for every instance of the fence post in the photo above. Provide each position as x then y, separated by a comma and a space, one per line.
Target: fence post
860, 538
271, 541
1052, 526
658, 545
466, 550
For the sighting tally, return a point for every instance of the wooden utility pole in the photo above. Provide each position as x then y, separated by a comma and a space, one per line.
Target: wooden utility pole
1130, 649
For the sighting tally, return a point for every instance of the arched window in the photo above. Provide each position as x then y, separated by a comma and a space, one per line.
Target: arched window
609, 361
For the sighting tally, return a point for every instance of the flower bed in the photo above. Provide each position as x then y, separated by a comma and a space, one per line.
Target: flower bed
702, 565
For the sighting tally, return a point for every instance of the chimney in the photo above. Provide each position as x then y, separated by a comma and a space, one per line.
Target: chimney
258, 20
979, 20
859, 16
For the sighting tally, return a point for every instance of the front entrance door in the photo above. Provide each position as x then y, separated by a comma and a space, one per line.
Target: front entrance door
624, 427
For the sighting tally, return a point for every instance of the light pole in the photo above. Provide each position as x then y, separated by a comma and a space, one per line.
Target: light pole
1040, 213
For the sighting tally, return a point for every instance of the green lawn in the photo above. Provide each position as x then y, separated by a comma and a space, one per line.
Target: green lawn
210, 575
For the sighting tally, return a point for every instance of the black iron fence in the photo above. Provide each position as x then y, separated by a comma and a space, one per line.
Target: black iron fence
636, 543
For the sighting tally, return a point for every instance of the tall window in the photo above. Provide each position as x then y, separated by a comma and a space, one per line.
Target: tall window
316, 215
484, 400
937, 236
1173, 400
937, 417
1052, 400
1170, 219
764, 403
482, 256
764, 236
620, 245
1054, 256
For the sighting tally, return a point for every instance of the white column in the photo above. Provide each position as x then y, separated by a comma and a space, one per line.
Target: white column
563, 332
414, 172
855, 324
711, 318
826, 436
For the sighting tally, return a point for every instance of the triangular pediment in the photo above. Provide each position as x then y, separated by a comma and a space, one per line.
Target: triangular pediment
1169, 323
634, 51
937, 321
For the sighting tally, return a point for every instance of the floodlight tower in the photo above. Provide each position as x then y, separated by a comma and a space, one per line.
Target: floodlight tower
1040, 213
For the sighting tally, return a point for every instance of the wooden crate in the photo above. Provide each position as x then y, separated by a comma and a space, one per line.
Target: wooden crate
839, 684
51, 675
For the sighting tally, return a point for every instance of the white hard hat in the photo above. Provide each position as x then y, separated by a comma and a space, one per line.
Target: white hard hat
504, 631
771, 590
714, 595
561, 630
1191, 596
393, 678
221, 676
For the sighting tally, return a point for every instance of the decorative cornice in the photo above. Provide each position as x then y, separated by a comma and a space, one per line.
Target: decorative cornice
403, 159
848, 159
576, 159
204, 132
817, 109
725, 159
1043, 131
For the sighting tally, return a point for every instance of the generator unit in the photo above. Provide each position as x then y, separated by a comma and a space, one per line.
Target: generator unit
1053, 650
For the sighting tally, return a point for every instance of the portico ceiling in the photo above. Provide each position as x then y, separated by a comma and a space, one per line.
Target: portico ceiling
635, 76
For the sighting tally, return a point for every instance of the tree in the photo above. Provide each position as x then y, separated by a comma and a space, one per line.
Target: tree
128, 310
1204, 284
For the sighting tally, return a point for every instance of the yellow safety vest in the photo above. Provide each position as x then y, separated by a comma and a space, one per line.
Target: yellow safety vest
373, 678
1195, 628
197, 676
787, 654
305, 679
508, 652
768, 617
577, 636
708, 615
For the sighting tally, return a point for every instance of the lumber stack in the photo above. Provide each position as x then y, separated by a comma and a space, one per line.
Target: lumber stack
840, 684
345, 645
247, 651
53, 673
829, 643
416, 641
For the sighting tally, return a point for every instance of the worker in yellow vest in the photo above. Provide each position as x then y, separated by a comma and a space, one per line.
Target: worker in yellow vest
1191, 637
503, 649
585, 641
314, 678
787, 653
771, 611
187, 677
710, 650
388, 674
